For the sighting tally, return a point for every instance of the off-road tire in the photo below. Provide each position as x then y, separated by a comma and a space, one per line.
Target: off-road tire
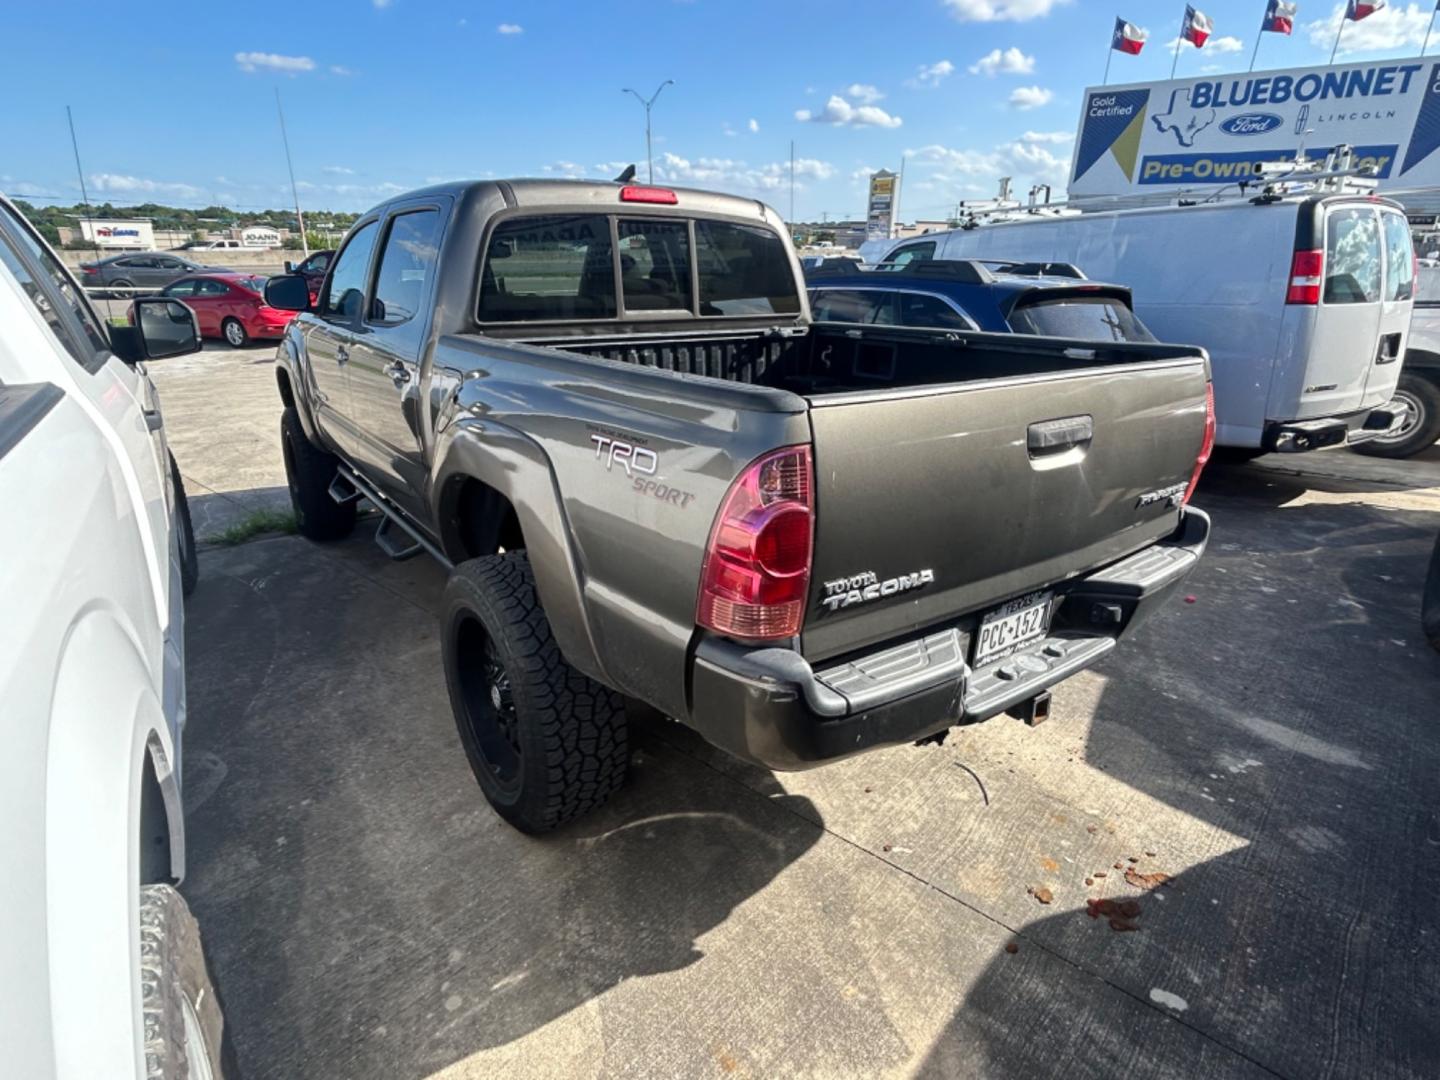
174, 982
1422, 394
234, 333
189, 557
569, 731
309, 472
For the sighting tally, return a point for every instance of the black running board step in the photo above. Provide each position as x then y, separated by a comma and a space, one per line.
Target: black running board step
343, 491
395, 541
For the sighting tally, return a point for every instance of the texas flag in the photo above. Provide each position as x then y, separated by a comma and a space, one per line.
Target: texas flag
1279, 17
1128, 37
1360, 9
1198, 26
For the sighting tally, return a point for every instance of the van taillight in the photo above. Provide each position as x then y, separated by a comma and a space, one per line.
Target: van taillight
757, 565
1207, 444
1307, 271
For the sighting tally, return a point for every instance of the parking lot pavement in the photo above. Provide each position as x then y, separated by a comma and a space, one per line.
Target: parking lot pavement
1270, 747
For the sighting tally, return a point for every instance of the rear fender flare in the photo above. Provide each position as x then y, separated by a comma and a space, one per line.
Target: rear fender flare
514, 465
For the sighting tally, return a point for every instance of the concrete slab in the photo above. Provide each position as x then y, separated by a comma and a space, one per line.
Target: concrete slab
1270, 747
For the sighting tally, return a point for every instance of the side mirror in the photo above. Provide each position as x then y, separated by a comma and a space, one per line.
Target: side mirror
289, 267
288, 292
159, 327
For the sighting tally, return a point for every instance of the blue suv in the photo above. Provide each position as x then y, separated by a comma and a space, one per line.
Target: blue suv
1051, 299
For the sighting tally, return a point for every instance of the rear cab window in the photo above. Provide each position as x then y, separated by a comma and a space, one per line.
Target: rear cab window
587, 267
1087, 318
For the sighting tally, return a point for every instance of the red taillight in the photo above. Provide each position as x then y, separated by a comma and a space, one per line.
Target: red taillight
636, 193
757, 565
90, 269
1307, 270
1207, 444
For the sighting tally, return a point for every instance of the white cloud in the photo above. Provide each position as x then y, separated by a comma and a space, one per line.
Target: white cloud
753, 125
1388, 29
338, 170
1212, 45
120, 184
1047, 136
289, 65
1001, 10
568, 169
864, 93
1011, 61
931, 75
509, 28
730, 174
841, 113
340, 69
953, 173
1025, 98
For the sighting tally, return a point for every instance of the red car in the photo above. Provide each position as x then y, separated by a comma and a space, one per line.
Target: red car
230, 306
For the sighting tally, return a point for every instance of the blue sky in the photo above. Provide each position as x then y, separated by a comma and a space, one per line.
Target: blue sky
175, 102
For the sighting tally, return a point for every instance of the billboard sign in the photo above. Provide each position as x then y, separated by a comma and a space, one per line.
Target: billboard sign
880, 210
130, 234
1204, 132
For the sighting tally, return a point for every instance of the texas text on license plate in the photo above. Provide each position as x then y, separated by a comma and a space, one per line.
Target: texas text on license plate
1008, 627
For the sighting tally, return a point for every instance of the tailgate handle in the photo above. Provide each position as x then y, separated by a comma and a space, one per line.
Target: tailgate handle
1389, 349
1056, 436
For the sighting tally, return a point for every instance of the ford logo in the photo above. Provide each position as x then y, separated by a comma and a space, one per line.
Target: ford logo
1251, 123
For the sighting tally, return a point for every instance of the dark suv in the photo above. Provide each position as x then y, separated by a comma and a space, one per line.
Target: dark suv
1051, 299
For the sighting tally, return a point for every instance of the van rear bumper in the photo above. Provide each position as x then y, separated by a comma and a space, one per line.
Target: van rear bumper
771, 707
1347, 429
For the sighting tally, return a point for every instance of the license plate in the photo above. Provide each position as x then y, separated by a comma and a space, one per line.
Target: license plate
1007, 628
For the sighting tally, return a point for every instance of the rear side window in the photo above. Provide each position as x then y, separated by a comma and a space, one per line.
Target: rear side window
1399, 258
406, 264
556, 267
345, 294
848, 305
655, 265
1095, 318
743, 270
1352, 257
918, 309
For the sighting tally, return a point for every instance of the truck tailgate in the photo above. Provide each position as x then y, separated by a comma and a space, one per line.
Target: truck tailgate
955, 498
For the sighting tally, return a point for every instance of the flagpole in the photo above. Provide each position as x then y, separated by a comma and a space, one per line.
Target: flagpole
1258, 36
1178, 42
1109, 55
1429, 30
1337, 37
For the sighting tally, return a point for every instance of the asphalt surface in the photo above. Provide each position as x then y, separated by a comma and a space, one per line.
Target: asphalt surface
1270, 746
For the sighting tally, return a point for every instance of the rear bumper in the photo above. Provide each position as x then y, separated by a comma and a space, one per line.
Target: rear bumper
1300, 436
770, 707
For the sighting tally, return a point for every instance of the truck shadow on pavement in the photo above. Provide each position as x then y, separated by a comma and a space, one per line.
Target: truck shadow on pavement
1298, 933
365, 911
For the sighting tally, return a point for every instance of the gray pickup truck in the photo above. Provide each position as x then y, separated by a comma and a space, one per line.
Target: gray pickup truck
605, 410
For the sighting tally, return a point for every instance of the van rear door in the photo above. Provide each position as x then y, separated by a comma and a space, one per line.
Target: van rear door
1348, 319
1396, 306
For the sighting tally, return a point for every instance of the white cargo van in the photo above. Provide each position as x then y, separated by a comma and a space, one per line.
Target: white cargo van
1303, 301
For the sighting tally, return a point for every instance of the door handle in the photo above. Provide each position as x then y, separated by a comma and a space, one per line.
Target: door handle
153, 420
1058, 436
1389, 350
399, 374
342, 354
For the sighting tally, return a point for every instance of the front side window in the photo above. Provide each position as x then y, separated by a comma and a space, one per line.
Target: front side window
92, 350
345, 295
406, 264
180, 288
1097, 318
1352, 257
912, 253
1399, 258
551, 267
655, 265
316, 264
848, 305
743, 270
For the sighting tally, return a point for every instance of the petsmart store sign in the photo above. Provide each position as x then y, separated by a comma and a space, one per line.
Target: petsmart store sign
1215, 130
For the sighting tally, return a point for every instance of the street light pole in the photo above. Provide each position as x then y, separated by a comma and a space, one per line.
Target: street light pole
649, 159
